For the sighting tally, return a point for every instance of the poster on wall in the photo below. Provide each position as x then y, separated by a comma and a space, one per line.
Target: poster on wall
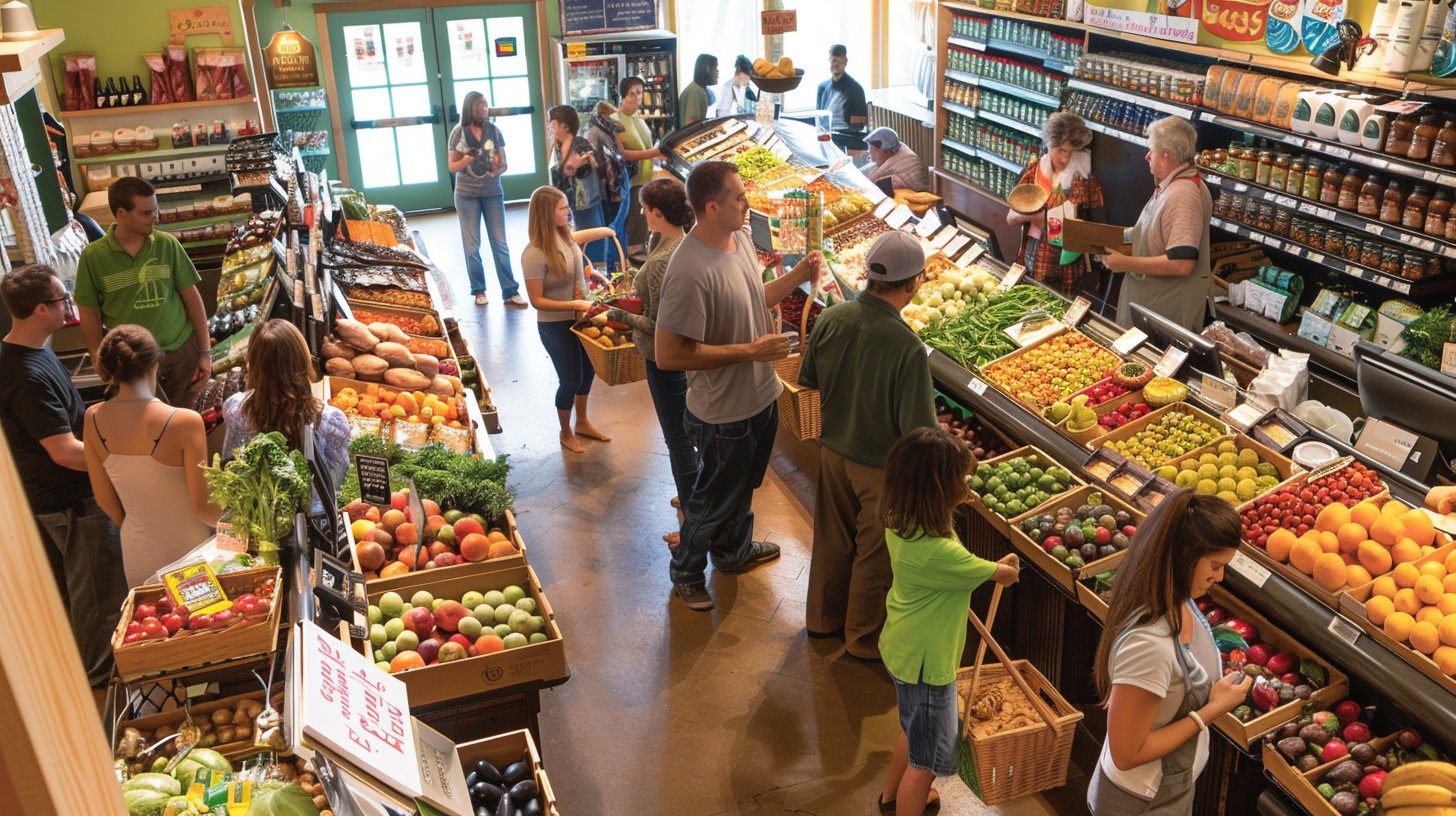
1160, 19
291, 61
580, 17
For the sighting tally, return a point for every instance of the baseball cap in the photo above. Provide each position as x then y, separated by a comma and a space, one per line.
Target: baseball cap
883, 138
894, 256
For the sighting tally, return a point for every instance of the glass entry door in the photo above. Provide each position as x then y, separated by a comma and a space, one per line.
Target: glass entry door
402, 75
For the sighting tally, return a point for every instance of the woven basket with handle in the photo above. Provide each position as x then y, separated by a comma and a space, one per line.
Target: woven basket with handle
618, 365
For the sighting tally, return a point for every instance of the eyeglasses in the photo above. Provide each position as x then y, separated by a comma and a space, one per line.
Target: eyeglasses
66, 299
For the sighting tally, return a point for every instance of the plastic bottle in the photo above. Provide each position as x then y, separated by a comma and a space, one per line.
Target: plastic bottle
1405, 36
1430, 34
1380, 25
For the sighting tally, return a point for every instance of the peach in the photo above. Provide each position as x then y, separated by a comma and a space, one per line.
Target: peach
391, 520
449, 614
501, 549
475, 547
466, 526
371, 555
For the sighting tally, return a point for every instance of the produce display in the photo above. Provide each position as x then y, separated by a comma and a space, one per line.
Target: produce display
1048, 371
1358, 775
845, 207
1107, 390
224, 727
467, 484
397, 410
424, 325
201, 783
755, 160
1166, 437
165, 619
265, 485
1010, 487
953, 291
1234, 474
976, 336
504, 790
1000, 705
379, 352
427, 345
1280, 676
389, 541
1295, 506
849, 235
968, 429
1077, 537
426, 630
606, 333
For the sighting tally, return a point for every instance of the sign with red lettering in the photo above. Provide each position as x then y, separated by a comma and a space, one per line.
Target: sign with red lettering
186, 22
780, 22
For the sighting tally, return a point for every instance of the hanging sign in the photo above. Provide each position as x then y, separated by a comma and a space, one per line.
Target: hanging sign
1146, 19
779, 22
291, 61
605, 16
185, 22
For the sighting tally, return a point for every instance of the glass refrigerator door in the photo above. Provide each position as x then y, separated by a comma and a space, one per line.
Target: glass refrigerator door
590, 80
659, 91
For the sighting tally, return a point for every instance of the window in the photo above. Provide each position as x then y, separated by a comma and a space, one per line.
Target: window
851, 23
723, 28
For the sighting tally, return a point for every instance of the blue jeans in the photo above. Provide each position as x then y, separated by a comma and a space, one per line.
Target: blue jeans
718, 516
573, 368
493, 209
590, 217
84, 549
669, 396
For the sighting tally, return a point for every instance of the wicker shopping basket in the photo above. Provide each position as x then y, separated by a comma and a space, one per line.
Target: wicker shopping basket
1018, 761
798, 406
616, 366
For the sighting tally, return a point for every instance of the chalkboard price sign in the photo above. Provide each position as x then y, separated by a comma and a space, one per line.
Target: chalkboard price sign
580, 17
373, 479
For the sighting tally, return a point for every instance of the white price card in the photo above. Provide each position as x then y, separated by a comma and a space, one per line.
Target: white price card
1219, 392
1344, 629
956, 245
1250, 569
1077, 311
1013, 276
977, 386
1448, 359
1130, 339
1244, 416
884, 207
898, 216
1169, 363
929, 223
944, 237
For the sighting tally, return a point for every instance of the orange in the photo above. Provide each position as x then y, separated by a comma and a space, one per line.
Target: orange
1407, 602
1332, 518
1356, 575
1350, 536
1448, 630
1365, 513
1405, 550
1329, 542
1378, 608
1394, 507
1435, 569
1279, 543
1384, 585
1387, 530
1425, 637
1374, 558
1430, 614
1405, 574
1418, 527
1447, 604
1398, 625
496, 535
1445, 658
1428, 588
393, 568
1449, 582
1303, 554
1330, 571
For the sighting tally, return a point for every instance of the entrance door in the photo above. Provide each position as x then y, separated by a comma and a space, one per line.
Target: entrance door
401, 76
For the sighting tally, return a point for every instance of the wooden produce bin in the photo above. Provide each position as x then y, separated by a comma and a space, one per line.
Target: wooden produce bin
1301, 785
1247, 733
996, 519
1352, 606
1131, 429
414, 579
1060, 573
502, 750
237, 749
483, 674
333, 385
1087, 594
190, 649
989, 370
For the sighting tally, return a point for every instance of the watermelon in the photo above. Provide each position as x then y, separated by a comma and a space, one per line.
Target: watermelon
145, 802
161, 783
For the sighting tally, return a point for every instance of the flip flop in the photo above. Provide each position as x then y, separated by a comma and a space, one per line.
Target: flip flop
676, 502
672, 539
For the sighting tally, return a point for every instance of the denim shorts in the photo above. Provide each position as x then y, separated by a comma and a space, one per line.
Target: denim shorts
928, 718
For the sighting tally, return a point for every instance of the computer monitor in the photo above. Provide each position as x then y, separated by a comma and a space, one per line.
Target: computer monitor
1407, 394
1164, 333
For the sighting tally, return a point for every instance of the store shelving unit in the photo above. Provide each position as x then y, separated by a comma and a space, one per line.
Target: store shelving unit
146, 111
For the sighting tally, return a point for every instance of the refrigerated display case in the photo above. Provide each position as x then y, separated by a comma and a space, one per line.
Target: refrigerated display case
590, 69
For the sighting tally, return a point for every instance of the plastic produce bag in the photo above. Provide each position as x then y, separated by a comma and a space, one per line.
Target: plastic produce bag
1285, 381
236, 67
178, 85
1240, 346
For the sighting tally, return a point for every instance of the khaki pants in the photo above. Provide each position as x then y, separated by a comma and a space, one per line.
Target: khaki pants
175, 373
849, 570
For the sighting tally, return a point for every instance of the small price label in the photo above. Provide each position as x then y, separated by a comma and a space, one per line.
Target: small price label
1240, 188
883, 208
1130, 339
1374, 229
1250, 569
1077, 311
1170, 362
1244, 416
977, 386
1316, 257
1344, 630
1448, 359
929, 223
1219, 392
1013, 277
898, 216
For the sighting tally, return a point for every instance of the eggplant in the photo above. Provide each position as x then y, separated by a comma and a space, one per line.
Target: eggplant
1346, 771
505, 807
523, 790
516, 772
487, 772
483, 792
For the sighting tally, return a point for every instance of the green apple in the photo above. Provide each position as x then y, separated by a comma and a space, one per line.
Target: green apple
452, 516
515, 640
422, 598
382, 666
376, 615
513, 593
387, 652
435, 604
495, 598
538, 637
407, 641
377, 635
446, 535
391, 605
394, 626
527, 605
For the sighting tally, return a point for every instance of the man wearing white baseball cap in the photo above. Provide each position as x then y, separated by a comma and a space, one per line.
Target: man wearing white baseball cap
874, 385
892, 159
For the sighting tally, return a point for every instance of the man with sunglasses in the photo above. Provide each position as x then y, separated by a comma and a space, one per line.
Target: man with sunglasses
42, 414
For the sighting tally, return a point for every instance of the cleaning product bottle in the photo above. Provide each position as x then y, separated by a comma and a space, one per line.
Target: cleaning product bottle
1405, 36
1431, 34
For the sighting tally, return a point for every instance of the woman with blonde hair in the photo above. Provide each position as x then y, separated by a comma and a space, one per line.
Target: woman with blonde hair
145, 459
555, 275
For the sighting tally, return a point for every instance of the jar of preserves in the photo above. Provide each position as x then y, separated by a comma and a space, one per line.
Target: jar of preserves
1316, 239
1265, 168
1221, 206
1402, 131
1413, 215
1392, 259
1296, 177
1392, 204
1423, 138
1349, 191
1329, 191
1313, 172
1279, 175
1413, 267
1281, 222
1443, 152
1248, 164
1371, 194
1436, 214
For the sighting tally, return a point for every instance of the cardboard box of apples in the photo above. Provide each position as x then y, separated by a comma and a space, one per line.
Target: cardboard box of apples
390, 546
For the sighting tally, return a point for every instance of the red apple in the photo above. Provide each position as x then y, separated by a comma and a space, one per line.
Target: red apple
420, 621
173, 623
222, 618
449, 614
462, 640
144, 611
134, 628
370, 554
199, 621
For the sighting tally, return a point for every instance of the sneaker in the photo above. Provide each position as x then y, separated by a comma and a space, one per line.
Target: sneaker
694, 596
517, 300
759, 552
482, 299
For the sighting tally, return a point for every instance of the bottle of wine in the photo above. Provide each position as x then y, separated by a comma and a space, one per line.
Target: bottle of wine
138, 94
100, 94
115, 98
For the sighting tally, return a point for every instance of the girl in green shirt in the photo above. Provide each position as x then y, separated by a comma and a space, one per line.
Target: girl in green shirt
926, 609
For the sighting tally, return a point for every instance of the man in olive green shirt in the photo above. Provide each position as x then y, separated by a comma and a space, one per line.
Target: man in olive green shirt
136, 274
874, 384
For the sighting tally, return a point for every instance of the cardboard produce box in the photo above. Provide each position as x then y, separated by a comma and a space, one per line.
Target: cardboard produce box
416, 579
502, 750
1059, 572
1352, 606
996, 519
481, 674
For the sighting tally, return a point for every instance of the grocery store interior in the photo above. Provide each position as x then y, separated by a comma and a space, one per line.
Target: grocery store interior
1180, 277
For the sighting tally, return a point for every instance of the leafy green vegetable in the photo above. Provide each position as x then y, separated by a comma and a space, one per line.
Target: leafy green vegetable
264, 487
281, 799
1426, 336
451, 479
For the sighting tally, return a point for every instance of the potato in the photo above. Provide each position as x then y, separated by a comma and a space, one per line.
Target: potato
442, 386
427, 364
609, 332
407, 379
355, 334
395, 354
243, 731
226, 734
332, 347
338, 367
240, 715
253, 707
207, 740
388, 332
369, 367
222, 717
591, 332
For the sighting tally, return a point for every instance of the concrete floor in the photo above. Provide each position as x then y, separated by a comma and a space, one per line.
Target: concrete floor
670, 711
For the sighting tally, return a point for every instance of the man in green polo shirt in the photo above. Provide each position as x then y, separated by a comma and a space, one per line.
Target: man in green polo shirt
874, 383
136, 274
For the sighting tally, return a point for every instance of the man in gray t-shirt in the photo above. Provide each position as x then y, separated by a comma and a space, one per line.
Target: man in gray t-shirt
714, 323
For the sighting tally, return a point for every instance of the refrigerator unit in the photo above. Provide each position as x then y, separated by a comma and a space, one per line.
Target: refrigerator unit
590, 69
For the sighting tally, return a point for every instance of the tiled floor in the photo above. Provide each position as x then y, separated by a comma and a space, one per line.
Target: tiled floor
670, 711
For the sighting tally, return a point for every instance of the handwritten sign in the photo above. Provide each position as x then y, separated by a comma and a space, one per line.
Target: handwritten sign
291, 61
1250, 569
929, 223
186, 22
373, 479
604, 16
779, 22
1077, 311
898, 216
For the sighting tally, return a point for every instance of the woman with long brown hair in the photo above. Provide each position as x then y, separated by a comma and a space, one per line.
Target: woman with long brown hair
555, 275
1157, 666
280, 398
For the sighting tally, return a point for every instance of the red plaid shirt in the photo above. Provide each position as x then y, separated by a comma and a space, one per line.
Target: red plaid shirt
1043, 260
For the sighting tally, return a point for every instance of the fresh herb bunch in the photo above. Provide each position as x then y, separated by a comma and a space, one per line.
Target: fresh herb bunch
461, 482
1426, 337
265, 486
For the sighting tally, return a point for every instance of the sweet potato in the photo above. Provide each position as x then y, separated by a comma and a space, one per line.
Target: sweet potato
388, 332
338, 367
427, 364
441, 386
332, 347
369, 367
407, 379
355, 334
395, 354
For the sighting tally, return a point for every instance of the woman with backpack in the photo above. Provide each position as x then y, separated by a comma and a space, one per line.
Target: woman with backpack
603, 131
